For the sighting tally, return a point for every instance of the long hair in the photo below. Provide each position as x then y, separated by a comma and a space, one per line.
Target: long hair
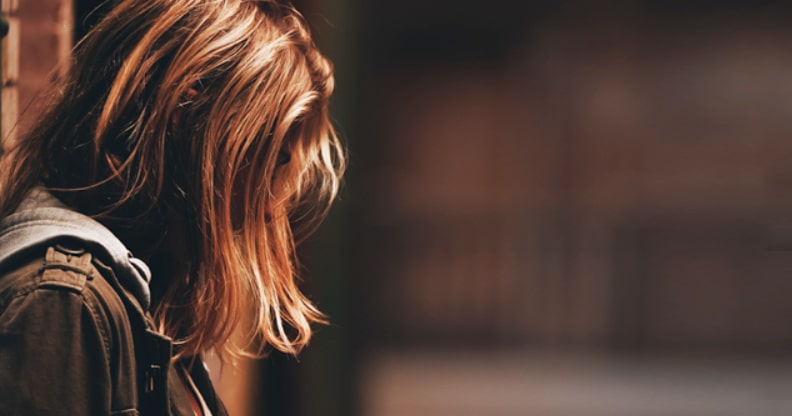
206, 118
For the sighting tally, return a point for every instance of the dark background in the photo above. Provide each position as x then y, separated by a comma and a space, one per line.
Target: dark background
538, 186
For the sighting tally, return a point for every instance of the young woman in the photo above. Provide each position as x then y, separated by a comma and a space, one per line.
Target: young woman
156, 206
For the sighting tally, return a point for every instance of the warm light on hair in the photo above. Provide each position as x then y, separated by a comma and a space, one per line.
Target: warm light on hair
187, 111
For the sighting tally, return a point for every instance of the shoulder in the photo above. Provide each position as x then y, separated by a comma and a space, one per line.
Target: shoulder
58, 268
59, 315
66, 277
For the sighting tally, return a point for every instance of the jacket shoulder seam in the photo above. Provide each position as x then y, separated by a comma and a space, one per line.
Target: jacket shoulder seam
102, 323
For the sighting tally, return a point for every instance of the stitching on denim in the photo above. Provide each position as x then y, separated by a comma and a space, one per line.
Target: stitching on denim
102, 330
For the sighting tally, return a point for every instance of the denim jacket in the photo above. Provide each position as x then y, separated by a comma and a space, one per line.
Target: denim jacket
76, 337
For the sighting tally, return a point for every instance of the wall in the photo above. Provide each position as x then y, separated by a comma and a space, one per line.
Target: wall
37, 49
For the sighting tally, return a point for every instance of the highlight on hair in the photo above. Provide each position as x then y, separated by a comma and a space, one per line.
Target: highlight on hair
208, 113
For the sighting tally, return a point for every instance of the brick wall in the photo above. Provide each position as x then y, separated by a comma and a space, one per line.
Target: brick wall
35, 52
46, 39
10, 69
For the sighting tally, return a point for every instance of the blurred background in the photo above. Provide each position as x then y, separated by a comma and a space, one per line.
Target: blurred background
553, 208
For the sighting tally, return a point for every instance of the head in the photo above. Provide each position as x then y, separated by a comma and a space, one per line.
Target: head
203, 122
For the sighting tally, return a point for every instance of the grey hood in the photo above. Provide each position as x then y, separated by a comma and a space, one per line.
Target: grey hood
42, 219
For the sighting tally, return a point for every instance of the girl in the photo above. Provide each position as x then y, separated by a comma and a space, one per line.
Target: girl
156, 206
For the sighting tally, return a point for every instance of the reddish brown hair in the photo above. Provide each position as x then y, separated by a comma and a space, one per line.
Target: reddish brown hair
187, 111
